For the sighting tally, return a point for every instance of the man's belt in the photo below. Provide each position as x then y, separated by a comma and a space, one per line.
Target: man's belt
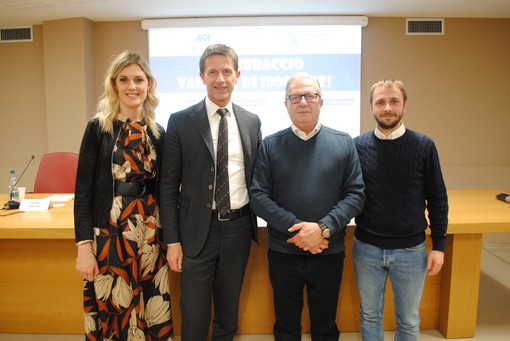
232, 214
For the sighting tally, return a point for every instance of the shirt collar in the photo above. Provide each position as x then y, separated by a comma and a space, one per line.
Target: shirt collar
393, 135
211, 107
302, 135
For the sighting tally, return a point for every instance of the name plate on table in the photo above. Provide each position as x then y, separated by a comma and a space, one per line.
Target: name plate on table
35, 205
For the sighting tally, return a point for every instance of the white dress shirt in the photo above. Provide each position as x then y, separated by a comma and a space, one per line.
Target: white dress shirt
302, 135
236, 174
391, 136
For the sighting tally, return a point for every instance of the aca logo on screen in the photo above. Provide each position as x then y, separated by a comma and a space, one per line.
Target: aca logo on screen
203, 37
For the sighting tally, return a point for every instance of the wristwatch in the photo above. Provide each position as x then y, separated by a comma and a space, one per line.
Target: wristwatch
326, 232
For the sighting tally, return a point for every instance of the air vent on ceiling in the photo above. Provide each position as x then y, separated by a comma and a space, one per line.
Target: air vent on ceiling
15, 34
424, 26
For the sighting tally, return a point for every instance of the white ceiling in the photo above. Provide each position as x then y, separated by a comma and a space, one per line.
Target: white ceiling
30, 12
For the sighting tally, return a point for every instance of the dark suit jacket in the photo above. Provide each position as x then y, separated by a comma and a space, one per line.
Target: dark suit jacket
187, 179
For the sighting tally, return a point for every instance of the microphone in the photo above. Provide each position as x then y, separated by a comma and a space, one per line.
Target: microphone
503, 197
11, 204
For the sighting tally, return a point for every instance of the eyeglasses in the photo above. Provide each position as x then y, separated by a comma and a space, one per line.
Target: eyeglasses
309, 98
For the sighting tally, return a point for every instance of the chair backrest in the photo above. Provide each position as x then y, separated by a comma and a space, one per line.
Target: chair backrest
56, 173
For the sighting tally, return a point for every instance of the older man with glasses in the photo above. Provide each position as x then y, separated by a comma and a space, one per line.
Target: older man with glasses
307, 185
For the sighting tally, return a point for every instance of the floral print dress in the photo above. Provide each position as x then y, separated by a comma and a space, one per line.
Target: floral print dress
129, 299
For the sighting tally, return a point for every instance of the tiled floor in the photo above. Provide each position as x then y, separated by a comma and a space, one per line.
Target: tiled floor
493, 322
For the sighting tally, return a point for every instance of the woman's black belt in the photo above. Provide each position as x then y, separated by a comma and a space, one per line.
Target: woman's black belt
135, 188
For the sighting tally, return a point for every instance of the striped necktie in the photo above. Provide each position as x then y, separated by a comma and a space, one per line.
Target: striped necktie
222, 193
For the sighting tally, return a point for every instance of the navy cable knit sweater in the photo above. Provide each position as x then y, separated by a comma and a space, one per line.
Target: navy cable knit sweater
403, 179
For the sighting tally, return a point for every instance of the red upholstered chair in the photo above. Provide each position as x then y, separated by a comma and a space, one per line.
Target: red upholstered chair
56, 173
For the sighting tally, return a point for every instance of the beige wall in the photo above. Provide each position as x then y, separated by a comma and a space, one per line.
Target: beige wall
23, 112
458, 89
69, 86
457, 86
51, 86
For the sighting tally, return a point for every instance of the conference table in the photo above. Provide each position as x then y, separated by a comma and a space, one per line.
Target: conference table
41, 292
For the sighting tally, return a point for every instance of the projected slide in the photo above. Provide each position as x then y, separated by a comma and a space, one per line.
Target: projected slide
268, 56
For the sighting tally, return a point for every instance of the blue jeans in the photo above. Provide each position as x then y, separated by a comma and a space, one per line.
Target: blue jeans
406, 269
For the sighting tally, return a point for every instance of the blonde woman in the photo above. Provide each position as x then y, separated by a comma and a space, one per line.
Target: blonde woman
121, 255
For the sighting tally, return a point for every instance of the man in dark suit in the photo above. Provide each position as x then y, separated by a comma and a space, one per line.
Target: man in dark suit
208, 243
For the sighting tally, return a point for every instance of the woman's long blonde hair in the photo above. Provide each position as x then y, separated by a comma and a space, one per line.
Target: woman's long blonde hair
108, 105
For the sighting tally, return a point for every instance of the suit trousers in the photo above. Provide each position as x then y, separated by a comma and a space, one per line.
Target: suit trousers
215, 277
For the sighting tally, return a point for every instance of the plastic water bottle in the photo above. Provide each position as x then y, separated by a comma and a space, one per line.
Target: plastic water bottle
13, 188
